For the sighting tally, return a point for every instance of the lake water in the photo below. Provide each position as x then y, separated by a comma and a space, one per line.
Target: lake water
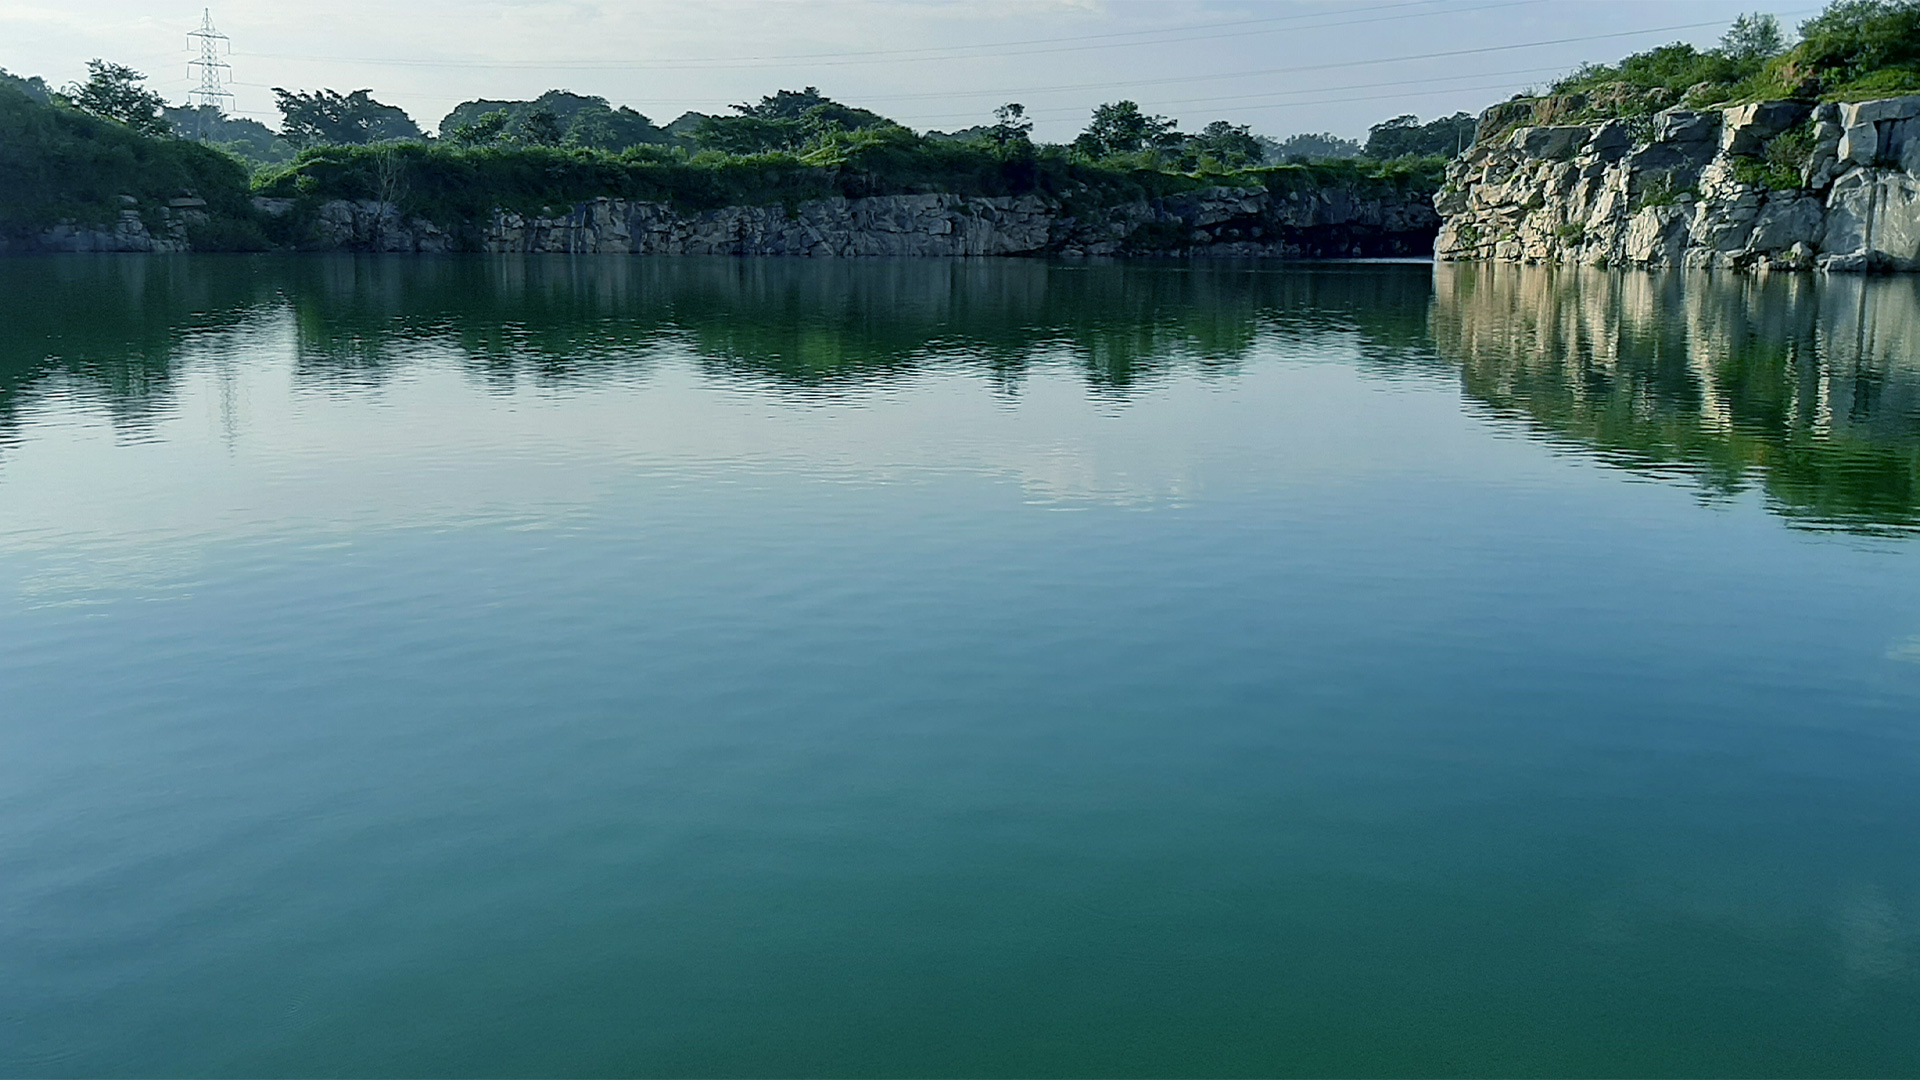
682, 667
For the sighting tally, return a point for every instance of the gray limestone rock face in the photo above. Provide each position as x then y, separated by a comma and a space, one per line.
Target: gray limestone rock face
1875, 215
1609, 141
1549, 142
1824, 163
1746, 129
1859, 144
1675, 197
1685, 126
126, 234
1656, 236
1788, 221
1221, 220
1901, 143
1872, 112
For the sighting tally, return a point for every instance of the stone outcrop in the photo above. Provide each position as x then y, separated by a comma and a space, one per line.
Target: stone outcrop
1222, 221
1689, 188
128, 232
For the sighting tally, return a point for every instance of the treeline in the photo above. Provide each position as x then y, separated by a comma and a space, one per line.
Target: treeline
92, 150
793, 121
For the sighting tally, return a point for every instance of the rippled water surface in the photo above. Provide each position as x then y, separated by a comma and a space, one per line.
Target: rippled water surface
691, 667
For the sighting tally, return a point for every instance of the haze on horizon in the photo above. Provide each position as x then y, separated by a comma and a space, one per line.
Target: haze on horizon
1280, 66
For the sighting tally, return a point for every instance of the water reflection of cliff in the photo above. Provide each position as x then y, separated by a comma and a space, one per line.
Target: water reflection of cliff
1806, 386
116, 329
110, 331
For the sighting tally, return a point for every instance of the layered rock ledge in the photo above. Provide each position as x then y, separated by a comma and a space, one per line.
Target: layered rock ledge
1696, 188
1311, 222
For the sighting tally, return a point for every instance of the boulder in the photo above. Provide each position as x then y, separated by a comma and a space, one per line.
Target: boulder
1859, 144
1873, 112
1685, 126
1746, 129
1550, 142
1609, 141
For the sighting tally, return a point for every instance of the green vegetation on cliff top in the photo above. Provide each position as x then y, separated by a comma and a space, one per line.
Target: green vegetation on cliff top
454, 184
1854, 50
62, 163
58, 162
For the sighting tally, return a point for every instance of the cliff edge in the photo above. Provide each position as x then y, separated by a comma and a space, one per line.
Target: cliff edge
1768, 185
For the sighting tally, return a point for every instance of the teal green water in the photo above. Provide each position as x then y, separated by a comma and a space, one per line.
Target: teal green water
627, 667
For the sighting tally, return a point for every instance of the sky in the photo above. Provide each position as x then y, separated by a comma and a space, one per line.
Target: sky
1280, 66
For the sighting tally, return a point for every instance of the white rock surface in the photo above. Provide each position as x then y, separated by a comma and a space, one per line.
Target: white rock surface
1594, 194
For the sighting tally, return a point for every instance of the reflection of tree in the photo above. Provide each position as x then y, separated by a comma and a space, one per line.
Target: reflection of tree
108, 330
1810, 387
1807, 387
826, 327
115, 327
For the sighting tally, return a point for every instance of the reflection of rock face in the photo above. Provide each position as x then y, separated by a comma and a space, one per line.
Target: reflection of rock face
1812, 386
1309, 223
1683, 190
113, 330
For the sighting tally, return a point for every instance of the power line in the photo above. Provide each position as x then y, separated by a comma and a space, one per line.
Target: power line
1403, 86
1008, 92
1317, 67
875, 55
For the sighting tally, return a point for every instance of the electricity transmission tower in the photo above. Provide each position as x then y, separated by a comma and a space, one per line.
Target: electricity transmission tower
212, 89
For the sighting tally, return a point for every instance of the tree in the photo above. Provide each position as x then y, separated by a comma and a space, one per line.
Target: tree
485, 128
1231, 145
115, 92
584, 120
540, 127
810, 103
1405, 136
1010, 125
346, 119
249, 140
1855, 38
1119, 127
32, 85
748, 134
1753, 38
790, 120
1310, 147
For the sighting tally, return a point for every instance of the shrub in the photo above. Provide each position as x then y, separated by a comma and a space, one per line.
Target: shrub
1662, 192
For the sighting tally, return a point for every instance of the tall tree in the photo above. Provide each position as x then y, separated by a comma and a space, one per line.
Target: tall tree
1405, 136
115, 92
1753, 37
1010, 125
486, 128
326, 116
811, 104
1119, 127
584, 120
1310, 147
1232, 145
539, 127
33, 86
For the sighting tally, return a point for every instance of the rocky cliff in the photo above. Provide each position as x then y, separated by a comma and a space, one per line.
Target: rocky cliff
159, 230
1312, 222
1771, 185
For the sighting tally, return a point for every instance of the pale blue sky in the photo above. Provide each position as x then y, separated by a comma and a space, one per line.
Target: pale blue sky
1282, 66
